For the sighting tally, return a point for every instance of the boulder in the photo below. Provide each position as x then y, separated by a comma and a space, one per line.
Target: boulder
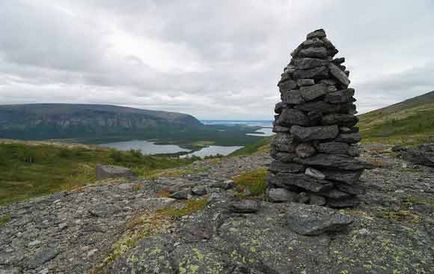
313, 52
421, 155
311, 220
110, 171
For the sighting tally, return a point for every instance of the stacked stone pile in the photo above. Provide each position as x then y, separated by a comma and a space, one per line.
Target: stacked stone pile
314, 148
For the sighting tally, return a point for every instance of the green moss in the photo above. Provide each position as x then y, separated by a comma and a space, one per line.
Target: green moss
254, 181
5, 219
187, 208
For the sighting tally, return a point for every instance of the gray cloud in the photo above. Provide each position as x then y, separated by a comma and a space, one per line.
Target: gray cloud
213, 59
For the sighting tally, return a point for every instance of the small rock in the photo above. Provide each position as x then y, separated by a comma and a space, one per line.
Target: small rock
317, 200
314, 173
311, 220
304, 150
43, 256
244, 206
33, 243
180, 195
199, 190
278, 195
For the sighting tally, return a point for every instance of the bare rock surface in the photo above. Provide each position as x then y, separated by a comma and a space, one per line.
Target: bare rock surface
59, 234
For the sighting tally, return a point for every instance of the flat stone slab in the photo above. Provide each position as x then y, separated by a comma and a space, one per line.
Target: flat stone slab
311, 220
244, 206
110, 171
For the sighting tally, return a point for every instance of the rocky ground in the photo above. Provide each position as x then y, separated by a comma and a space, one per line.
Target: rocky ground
132, 226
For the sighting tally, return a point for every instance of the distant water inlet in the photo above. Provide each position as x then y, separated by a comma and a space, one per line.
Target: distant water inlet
149, 148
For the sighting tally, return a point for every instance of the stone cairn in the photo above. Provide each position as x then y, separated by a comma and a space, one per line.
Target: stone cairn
314, 148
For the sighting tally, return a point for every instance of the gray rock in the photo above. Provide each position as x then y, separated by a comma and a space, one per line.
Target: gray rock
314, 133
280, 129
283, 156
351, 189
350, 138
340, 96
349, 177
314, 173
335, 194
287, 85
347, 120
305, 82
244, 206
313, 73
299, 180
308, 63
279, 195
314, 42
310, 93
314, 52
336, 148
343, 162
291, 117
199, 190
292, 97
304, 150
338, 61
311, 220
324, 107
104, 210
421, 155
283, 142
42, 256
319, 33
277, 166
180, 195
110, 171
278, 108
303, 198
339, 74
343, 203
317, 200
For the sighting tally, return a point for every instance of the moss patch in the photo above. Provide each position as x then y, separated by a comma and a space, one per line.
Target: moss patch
186, 208
139, 227
5, 219
254, 181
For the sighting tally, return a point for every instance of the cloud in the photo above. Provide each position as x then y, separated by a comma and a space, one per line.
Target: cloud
213, 59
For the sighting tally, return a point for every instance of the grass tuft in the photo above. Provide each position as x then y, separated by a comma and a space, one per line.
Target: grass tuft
254, 181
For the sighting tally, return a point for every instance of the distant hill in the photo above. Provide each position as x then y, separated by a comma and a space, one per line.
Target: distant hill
410, 121
106, 123
44, 121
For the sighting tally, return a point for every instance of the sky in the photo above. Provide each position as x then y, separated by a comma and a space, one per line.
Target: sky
214, 59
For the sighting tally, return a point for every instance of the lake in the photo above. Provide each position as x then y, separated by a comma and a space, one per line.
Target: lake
147, 147
265, 130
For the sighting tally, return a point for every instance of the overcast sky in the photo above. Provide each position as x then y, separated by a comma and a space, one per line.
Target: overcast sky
213, 59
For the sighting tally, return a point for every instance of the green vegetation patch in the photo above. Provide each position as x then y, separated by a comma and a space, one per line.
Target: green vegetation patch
32, 170
5, 219
255, 181
263, 145
187, 208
